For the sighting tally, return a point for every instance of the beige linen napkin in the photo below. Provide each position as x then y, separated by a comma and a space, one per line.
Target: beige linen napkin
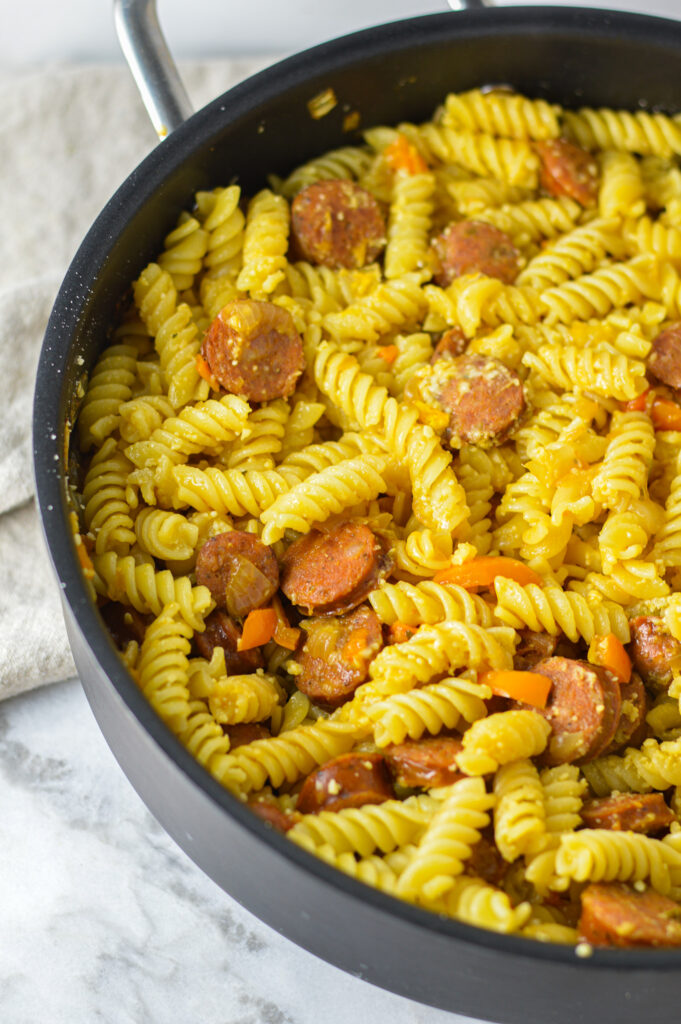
69, 135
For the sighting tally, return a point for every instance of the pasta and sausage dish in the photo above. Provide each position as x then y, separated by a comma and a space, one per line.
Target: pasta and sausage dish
381, 504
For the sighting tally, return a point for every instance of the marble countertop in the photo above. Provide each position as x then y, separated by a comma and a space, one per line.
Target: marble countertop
105, 919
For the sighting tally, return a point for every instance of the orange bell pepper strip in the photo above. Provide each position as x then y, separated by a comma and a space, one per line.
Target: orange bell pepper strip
400, 632
608, 652
402, 155
389, 353
666, 415
482, 572
285, 634
259, 627
203, 370
528, 687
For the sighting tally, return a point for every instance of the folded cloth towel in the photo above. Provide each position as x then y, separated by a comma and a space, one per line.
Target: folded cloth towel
69, 135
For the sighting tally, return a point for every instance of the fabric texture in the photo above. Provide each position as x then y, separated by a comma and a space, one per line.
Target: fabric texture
69, 136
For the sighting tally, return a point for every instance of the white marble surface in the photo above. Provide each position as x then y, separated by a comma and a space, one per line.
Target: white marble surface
104, 919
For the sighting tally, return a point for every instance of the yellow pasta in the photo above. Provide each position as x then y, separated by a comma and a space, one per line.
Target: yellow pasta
472, 465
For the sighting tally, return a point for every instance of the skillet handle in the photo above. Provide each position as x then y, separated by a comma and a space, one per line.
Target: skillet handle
145, 49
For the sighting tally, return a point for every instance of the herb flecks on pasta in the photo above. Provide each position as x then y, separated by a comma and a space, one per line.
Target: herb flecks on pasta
380, 501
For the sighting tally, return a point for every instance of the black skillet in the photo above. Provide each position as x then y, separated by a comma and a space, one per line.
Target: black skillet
390, 73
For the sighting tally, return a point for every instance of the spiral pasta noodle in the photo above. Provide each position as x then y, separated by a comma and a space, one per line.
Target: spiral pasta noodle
110, 385
511, 116
639, 132
107, 513
385, 827
184, 249
148, 590
162, 666
603, 855
501, 738
519, 811
447, 842
265, 244
444, 705
409, 224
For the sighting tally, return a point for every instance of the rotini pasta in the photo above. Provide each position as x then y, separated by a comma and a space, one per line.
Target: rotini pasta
379, 498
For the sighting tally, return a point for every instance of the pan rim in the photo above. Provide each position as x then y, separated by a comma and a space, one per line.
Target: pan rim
50, 469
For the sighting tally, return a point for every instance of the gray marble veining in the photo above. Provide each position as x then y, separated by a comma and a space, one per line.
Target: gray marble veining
104, 920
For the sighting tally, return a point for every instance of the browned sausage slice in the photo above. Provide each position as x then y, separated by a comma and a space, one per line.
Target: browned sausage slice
246, 732
634, 812
273, 815
350, 780
483, 397
452, 343
335, 223
221, 631
486, 862
568, 170
325, 572
239, 570
631, 728
532, 648
425, 763
617, 915
654, 652
253, 349
583, 709
473, 246
664, 361
335, 656
124, 624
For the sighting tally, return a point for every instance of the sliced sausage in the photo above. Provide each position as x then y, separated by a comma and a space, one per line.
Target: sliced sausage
246, 732
425, 763
221, 631
664, 361
484, 399
568, 170
254, 350
335, 656
532, 648
452, 343
350, 780
333, 571
654, 652
239, 570
473, 246
335, 223
486, 862
617, 915
273, 815
631, 728
634, 812
124, 624
583, 709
